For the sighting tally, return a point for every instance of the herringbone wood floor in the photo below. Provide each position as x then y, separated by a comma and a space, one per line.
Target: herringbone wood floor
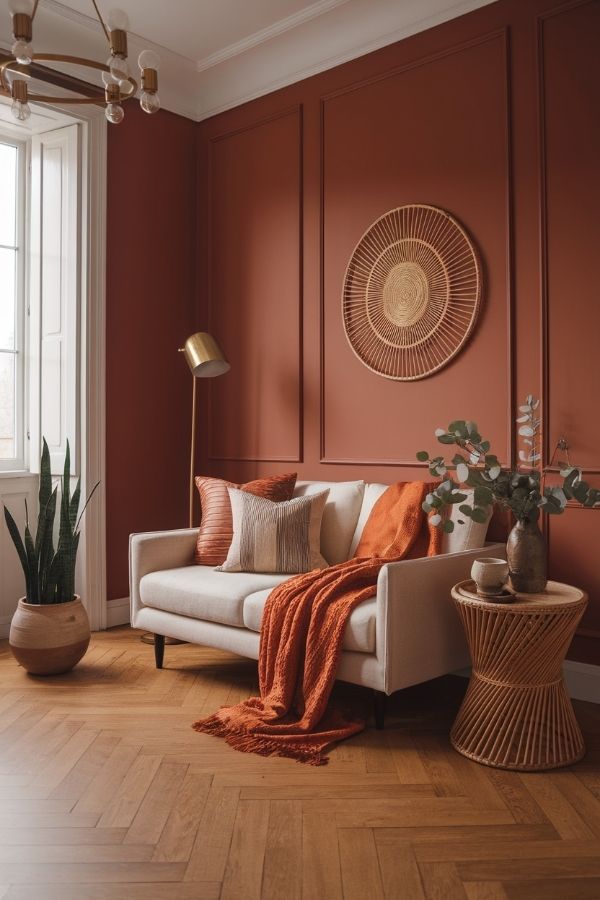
106, 792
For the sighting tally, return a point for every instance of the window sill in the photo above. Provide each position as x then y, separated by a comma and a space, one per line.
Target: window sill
16, 473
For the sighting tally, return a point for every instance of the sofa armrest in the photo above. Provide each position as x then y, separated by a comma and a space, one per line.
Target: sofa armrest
154, 551
418, 633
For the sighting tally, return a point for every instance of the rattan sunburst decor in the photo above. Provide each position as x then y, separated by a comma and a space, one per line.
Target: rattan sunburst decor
412, 292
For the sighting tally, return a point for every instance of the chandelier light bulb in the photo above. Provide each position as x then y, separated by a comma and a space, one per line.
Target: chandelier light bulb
22, 52
114, 113
107, 79
149, 102
15, 7
20, 111
117, 20
148, 59
119, 69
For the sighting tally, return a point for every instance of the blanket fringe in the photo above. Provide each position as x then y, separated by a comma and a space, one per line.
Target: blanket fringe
245, 742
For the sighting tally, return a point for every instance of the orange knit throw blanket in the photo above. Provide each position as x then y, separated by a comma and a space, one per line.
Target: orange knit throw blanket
301, 638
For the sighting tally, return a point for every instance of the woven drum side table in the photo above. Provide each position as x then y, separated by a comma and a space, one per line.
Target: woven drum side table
516, 713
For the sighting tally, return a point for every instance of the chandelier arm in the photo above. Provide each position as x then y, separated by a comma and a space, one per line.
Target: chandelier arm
34, 10
101, 20
73, 60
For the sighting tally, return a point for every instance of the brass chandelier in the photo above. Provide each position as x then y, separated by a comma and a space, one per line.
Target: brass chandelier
119, 85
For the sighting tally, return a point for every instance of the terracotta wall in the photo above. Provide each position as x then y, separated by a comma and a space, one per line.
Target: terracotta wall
150, 312
494, 117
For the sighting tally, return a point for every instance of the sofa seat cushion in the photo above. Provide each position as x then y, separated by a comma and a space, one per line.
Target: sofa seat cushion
359, 634
202, 593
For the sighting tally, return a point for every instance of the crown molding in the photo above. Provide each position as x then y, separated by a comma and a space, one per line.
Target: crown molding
386, 38
267, 34
324, 34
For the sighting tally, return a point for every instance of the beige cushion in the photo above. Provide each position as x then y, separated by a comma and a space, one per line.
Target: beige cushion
340, 517
282, 537
359, 634
469, 536
203, 593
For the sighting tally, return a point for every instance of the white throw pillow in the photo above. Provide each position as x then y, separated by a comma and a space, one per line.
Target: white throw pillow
340, 517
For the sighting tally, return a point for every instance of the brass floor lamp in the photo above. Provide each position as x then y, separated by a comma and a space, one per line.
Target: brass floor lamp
206, 360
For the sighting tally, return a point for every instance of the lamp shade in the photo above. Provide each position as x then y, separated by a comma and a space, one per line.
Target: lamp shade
204, 356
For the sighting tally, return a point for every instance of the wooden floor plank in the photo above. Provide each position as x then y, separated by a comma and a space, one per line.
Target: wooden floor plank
359, 863
86, 891
178, 836
321, 870
399, 871
282, 877
442, 882
154, 811
245, 863
485, 890
121, 810
90, 873
210, 851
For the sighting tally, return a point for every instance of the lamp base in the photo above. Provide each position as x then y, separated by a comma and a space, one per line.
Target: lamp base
148, 638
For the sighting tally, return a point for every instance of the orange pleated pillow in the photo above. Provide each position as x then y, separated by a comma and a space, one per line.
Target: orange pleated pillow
216, 525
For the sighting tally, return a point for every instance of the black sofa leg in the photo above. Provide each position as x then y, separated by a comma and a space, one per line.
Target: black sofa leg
159, 650
379, 699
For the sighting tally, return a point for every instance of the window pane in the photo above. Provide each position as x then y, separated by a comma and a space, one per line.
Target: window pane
8, 194
8, 259
7, 405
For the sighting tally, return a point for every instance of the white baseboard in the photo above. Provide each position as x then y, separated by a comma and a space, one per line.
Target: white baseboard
5, 626
582, 680
117, 612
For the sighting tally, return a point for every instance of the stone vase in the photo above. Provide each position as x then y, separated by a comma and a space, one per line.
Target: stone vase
527, 557
48, 639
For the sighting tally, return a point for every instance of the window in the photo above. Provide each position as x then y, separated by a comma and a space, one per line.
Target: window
12, 303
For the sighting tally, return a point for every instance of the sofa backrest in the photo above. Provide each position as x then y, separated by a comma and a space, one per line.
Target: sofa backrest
348, 507
341, 514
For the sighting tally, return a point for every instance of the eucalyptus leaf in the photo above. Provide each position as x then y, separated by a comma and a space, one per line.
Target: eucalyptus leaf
422, 455
462, 471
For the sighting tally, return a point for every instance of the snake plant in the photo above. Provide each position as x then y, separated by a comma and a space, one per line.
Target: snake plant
49, 572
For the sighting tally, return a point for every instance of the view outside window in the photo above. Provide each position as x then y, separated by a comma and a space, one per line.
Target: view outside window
8, 300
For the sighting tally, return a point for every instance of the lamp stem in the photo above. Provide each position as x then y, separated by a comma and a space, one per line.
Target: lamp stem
193, 451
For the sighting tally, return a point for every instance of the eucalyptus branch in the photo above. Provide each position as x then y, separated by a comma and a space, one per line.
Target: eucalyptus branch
476, 469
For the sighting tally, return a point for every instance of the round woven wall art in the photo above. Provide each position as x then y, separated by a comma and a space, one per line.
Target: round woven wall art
412, 292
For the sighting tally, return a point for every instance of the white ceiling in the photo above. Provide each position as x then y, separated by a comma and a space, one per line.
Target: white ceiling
216, 54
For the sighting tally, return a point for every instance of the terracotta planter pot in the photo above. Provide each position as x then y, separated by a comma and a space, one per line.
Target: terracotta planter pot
51, 638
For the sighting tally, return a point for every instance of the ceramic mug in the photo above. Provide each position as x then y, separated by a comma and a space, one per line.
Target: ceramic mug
490, 575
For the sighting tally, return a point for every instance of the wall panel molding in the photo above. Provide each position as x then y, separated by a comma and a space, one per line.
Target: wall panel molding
546, 399
295, 110
503, 35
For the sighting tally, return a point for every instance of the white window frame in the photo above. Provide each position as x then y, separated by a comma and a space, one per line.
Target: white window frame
19, 463
91, 562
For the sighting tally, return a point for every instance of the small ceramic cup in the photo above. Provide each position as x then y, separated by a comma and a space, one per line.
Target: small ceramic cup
490, 575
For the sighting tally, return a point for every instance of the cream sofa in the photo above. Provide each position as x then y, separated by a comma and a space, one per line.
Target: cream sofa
407, 633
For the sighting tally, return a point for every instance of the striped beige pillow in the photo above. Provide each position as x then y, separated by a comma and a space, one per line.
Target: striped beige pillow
279, 537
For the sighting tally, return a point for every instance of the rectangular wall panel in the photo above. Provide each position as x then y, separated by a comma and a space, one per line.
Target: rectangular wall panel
569, 43
255, 301
434, 133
